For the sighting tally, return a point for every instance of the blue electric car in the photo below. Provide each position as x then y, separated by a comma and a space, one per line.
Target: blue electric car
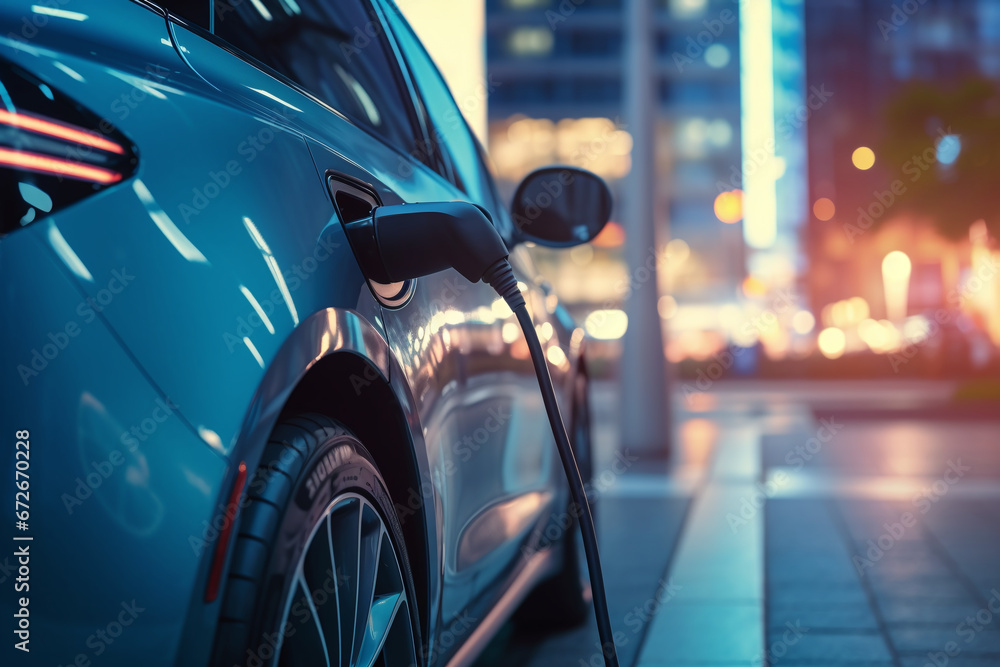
223, 443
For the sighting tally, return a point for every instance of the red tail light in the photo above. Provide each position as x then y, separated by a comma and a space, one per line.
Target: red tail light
53, 152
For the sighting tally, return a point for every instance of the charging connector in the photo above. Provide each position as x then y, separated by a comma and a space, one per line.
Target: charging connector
407, 241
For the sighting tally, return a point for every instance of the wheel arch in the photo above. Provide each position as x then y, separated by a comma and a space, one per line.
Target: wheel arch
349, 388
338, 364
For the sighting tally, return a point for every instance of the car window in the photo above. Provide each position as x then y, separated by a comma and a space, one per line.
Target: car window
197, 12
450, 130
335, 49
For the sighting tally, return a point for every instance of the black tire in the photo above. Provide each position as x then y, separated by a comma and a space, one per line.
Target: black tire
563, 600
316, 481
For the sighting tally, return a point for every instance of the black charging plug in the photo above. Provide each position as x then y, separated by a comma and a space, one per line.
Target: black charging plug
407, 241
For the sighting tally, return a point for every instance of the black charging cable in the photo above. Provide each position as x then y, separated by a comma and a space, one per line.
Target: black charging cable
500, 276
406, 241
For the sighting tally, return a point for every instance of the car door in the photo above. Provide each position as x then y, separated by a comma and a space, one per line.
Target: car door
334, 80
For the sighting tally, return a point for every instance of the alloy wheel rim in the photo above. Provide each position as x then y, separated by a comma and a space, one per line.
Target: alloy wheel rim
347, 605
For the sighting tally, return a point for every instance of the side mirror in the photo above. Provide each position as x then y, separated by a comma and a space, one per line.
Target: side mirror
560, 207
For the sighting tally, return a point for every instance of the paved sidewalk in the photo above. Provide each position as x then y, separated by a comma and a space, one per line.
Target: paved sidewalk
887, 546
817, 524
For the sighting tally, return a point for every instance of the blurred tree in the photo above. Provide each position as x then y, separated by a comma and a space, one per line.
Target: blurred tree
943, 145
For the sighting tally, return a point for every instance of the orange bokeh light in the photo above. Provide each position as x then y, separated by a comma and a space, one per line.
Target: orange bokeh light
754, 287
729, 206
612, 236
824, 209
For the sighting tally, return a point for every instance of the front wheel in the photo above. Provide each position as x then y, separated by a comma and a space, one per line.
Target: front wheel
319, 573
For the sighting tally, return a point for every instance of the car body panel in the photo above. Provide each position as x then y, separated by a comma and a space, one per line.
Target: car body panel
120, 486
204, 242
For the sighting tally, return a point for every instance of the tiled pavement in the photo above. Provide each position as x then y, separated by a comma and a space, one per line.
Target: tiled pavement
875, 542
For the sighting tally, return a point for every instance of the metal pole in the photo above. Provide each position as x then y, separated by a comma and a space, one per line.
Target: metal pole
646, 409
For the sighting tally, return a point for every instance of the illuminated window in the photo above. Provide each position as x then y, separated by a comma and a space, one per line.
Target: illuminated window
720, 132
522, 144
687, 9
530, 41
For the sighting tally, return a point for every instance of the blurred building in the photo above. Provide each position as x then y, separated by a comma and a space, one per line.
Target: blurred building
555, 68
452, 31
862, 52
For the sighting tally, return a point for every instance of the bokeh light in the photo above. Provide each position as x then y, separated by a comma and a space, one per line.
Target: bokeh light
754, 287
606, 324
666, 306
863, 158
677, 250
896, 265
948, 148
803, 322
717, 55
729, 206
824, 209
612, 236
832, 342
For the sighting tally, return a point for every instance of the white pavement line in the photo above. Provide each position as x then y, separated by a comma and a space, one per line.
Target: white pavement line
820, 484
737, 456
681, 483
717, 615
